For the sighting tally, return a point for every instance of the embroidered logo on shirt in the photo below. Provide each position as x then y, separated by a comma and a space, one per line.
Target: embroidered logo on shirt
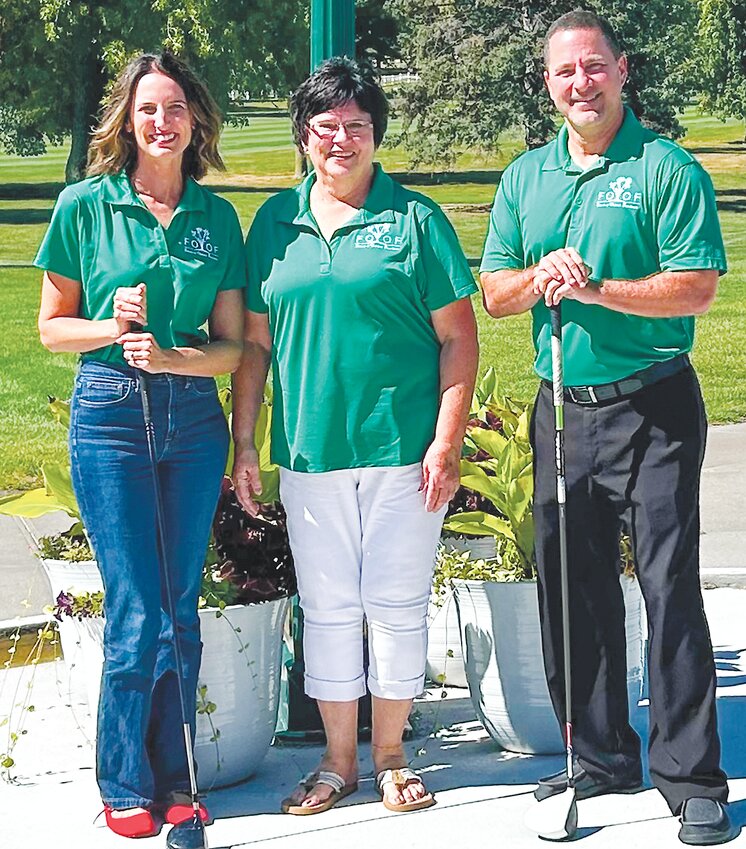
620, 195
378, 236
199, 244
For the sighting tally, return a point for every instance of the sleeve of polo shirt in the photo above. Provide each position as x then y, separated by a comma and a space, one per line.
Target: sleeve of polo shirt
689, 235
254, 299
60, 248
445, 270
503, 247
235, 270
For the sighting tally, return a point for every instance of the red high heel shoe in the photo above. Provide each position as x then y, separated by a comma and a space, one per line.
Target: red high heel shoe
139, 823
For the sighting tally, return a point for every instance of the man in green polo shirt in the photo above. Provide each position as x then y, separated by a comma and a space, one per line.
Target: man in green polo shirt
620, 225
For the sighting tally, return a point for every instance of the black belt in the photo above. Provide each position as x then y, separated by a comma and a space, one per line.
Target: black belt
628, 386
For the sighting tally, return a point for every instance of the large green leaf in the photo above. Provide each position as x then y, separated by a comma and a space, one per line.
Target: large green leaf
490, 441
59, 484
270, 484
478, 523
524, 420
225, 396
484, 390
34, 503
524, 538
60, 411
38, 502
262, 435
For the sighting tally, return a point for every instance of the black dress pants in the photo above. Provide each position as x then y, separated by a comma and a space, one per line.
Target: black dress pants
635, 460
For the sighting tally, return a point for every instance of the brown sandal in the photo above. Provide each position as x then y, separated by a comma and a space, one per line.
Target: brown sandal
400, 778
320, 776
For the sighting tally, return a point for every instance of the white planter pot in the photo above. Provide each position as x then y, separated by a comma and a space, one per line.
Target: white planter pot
445, 661
479, 548
65, 576
501, 641
241, 665
81, 642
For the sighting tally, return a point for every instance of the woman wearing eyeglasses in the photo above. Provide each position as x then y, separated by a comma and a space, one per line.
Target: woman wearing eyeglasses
359, 296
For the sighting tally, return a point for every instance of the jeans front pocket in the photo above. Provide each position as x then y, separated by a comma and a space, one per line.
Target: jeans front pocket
102, 391
203, 385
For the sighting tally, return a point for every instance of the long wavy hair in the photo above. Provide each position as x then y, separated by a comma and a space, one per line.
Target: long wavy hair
113, 146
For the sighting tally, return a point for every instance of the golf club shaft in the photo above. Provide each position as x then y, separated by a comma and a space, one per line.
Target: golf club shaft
558, 389
142, 380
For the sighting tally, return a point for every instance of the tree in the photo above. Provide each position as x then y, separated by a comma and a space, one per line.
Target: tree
57, 57
721, 57
376, 33
480, 68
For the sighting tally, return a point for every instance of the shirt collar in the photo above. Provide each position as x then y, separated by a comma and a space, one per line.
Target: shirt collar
626, 144
378, 206
117, 190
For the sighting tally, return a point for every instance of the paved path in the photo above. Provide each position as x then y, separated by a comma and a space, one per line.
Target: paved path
482, 792
723, 542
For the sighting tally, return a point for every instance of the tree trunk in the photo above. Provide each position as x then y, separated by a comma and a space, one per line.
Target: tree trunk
301, 165
88, 85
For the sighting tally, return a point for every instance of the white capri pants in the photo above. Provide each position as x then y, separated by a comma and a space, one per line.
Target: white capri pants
364, 546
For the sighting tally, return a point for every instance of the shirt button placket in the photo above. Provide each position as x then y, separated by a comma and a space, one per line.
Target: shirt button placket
325, 262
574, 223
164, 260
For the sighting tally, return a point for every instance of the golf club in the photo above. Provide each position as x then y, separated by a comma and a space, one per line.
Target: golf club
556, 818
191, 833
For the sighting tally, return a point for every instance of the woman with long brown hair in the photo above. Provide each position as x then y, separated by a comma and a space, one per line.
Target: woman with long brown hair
138, 258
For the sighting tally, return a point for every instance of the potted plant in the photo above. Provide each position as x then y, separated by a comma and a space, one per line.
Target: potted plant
496, 596
247, 579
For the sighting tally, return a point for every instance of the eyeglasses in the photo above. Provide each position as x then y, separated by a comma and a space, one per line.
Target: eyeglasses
328, 129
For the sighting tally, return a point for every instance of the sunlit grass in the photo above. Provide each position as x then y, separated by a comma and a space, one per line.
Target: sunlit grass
260, 159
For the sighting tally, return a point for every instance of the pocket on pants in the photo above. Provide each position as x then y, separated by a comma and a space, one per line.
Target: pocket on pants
102, 391
203, 385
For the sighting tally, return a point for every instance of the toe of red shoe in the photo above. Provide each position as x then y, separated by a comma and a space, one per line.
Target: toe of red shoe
140, 824
176, 814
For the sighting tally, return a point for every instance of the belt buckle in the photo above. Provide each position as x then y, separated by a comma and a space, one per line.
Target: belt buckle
590, 395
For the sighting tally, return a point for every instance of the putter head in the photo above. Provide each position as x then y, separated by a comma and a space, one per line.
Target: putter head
555, 818
189, 834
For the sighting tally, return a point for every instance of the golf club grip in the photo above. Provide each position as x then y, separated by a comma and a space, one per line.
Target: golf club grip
558, 377
136, 327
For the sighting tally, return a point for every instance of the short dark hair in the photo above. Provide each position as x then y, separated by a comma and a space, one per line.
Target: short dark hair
335, 82
583, 19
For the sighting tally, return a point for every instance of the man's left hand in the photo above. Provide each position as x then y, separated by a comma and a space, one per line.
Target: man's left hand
440, 475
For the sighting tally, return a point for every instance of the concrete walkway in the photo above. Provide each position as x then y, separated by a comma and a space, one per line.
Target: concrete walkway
723, 541
482, 792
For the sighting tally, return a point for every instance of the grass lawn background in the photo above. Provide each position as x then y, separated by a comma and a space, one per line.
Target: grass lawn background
260, 160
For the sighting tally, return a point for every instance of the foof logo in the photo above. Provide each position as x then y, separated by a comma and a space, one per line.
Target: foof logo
620, 195
199, 244
378, 236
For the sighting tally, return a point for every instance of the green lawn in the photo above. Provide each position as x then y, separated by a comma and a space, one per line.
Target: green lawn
259, 160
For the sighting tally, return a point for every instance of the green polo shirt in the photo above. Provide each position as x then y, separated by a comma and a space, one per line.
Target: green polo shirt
645, 206
355, 356
102, 235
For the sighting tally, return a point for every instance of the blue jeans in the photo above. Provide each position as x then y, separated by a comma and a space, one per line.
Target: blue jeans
140, 753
